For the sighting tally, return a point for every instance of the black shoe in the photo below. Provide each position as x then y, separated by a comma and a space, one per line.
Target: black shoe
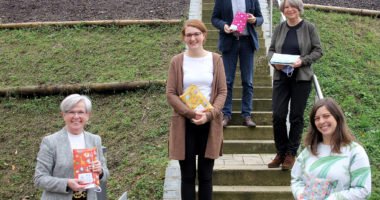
248, 122
226, 120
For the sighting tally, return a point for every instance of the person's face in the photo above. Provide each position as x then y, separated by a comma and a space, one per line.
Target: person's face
193, 38
325, 123
76, 118
291, 12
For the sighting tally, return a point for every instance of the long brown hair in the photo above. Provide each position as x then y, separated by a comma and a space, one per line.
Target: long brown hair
342, 135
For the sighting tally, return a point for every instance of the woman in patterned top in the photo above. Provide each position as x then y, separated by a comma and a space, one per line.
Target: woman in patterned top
333, 166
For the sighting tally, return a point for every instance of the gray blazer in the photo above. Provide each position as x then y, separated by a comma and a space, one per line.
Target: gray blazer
310, 47
55, 165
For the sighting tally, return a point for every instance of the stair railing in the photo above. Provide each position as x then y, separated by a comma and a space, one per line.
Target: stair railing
318, 90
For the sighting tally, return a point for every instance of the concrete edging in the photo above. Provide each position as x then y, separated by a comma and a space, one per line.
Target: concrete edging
112, 87
356, 11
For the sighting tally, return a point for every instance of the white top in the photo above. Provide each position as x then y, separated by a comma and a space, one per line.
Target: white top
76, 141
199, 72
349, 171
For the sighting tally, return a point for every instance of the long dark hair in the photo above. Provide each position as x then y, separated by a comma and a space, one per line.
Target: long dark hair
342, 135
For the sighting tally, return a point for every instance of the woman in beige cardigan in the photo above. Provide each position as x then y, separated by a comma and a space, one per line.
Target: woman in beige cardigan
196, 132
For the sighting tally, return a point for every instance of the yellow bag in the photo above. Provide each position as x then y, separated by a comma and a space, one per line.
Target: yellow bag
194, 99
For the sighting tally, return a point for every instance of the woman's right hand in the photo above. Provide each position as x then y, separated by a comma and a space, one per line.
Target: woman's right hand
75, 185
227, 29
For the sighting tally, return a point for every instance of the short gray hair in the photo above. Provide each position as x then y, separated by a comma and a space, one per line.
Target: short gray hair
293, 3
70, 101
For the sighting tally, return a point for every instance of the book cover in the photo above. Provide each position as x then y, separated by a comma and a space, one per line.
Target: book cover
194, 99
239, 22
82, 160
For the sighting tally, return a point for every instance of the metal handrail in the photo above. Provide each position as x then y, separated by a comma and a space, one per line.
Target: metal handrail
318, 90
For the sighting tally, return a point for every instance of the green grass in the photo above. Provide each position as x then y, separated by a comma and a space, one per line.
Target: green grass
349, 72
134, 125
83, 54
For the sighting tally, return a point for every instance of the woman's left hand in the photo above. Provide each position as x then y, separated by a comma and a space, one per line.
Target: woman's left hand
297, 63
97, 167
200, 118
251, 19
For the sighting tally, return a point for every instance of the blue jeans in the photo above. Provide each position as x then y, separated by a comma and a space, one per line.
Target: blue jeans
243, 50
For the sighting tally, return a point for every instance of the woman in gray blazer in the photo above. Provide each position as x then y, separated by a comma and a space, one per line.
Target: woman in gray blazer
54, 169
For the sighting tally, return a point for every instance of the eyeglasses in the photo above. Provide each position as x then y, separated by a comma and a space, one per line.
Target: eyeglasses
196, 34
73, 113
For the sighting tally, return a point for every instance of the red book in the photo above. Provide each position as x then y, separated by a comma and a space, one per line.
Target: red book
83, 159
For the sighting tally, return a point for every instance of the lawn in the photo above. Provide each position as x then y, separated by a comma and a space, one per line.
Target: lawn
134, 124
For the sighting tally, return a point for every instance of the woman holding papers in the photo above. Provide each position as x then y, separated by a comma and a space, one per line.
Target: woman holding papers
333, 165
54, 171
200, 131
292, 82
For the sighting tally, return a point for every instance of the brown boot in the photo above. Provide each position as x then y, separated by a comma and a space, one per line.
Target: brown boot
277, 161
288, 161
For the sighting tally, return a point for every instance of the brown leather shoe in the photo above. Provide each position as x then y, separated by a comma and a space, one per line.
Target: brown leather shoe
288, 161
248, 122
226, 119
277, 161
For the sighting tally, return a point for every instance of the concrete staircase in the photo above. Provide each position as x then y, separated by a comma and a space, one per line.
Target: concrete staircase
242, 172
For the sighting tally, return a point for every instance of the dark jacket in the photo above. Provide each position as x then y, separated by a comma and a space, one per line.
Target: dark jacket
223, 14
310, 48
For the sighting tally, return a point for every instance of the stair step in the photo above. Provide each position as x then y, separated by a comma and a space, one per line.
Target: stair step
252, 192
248, 146
246, 133
258, 104
261, 118
250, 175
258, 80
258, 92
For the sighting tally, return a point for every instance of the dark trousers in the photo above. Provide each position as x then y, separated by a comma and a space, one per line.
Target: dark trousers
196, 141
297, 92
243, 50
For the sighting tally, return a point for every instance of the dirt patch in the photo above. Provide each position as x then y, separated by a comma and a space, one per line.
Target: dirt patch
14, 11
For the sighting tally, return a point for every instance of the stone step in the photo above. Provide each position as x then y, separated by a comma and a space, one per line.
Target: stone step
207, 6
214, 48
258, 92
252, 192
258, 81
248, 146
250, 175
246, 133
258, 104
261, 118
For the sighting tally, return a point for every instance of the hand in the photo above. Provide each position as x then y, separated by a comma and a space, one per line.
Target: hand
227, 29
96, 167
75, 185
297, 63
251, 19
200, 118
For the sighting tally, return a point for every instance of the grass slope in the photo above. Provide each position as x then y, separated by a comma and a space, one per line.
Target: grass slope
134, 125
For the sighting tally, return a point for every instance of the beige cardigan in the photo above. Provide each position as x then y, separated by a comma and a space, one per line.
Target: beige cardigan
174, 88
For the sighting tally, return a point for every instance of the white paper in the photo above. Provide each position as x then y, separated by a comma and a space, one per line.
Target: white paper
283, 59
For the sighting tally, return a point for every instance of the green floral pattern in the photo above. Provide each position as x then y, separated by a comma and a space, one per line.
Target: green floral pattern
349, 171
